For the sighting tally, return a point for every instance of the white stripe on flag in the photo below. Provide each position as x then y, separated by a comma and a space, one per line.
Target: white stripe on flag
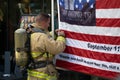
105, 48
95, 30
107, 13
103, 65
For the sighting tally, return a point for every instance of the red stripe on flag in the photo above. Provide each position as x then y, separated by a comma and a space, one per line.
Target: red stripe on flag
106, 4
108, 22
93, 38
84, 69
93, 55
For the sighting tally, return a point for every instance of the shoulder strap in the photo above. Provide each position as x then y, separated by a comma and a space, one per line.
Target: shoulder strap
47, 58
28, 46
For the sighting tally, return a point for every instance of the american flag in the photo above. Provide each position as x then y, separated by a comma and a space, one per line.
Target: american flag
92, 49
78, 4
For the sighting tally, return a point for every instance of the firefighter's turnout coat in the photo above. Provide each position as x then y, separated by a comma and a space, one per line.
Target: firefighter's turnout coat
42, 42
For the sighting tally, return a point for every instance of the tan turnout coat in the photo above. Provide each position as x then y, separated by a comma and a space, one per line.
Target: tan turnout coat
43, 42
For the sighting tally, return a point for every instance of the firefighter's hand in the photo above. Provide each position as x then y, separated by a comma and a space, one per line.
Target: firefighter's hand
60, 33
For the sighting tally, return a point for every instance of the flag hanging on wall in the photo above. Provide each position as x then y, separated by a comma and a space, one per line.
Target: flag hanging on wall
92, 29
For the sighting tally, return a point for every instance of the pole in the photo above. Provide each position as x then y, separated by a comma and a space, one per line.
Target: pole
52, 18
43, 6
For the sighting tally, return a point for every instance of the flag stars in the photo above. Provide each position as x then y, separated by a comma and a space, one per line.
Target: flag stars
61, 3
82, 6
80, 1
91, 6
88, 1
76, 6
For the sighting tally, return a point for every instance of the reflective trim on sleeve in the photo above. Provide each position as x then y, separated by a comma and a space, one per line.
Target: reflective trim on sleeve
37, 54
37, 74
60, 38
41, 75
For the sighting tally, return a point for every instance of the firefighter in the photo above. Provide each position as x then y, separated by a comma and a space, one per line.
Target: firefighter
43, 49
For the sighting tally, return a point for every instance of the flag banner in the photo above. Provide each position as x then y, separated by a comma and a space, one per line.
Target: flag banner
92, 29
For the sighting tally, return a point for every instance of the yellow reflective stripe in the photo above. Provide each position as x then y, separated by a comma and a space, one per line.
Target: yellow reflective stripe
51, 78
60, 38
28, 78
36, 54
37, 74
41, 75
45, 55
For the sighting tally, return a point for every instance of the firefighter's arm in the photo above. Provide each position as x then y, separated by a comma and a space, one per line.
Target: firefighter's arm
55, 46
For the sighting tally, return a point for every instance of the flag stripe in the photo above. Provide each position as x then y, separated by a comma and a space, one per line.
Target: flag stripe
92, 30
107, 22
84, 69
103, 48
93, 38
97, 64
108, 13
108, 17
106, 4
92, 54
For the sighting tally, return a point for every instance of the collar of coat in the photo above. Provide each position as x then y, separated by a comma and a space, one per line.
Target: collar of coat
36, 29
